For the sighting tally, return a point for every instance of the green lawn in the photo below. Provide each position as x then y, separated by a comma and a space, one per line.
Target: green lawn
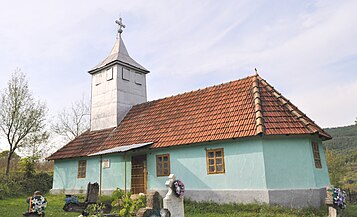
14, 207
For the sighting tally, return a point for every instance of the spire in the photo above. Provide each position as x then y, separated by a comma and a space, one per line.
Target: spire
119, 53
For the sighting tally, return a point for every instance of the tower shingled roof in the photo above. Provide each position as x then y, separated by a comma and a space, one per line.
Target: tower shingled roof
119, 54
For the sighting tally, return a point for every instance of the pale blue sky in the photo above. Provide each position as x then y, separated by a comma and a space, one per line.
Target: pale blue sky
306, 49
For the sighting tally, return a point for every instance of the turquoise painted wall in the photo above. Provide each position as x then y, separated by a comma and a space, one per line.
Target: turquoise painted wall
321, 175
113, 177
255, 163
289, 164
244, 166
65, 174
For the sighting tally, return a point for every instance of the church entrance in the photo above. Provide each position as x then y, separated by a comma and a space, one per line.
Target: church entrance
138, 174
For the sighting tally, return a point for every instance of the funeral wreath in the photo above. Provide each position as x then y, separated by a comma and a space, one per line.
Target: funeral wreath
178, 188
339, 198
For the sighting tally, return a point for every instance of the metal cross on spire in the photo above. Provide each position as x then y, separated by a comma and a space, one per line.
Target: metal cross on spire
120, 26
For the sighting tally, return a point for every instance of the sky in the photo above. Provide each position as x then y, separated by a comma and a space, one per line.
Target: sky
307, 49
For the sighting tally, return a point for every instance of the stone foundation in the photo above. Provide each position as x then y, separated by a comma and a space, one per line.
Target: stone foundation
76, 191
294, 198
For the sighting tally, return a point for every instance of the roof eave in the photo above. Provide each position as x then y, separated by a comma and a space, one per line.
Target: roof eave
95, 70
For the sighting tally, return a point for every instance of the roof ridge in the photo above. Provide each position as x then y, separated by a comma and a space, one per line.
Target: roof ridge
259, 119
295, 111
197, 90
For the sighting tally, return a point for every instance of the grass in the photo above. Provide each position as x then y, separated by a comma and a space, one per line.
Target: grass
351, 211
194, 209
14, 207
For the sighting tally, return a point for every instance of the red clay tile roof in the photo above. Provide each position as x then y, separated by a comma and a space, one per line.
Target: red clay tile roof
83, 145
241, 108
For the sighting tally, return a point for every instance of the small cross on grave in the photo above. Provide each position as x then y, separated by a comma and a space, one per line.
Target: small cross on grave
172, 202
169, 183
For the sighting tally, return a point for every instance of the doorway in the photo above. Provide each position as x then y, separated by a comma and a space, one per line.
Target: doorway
138, 174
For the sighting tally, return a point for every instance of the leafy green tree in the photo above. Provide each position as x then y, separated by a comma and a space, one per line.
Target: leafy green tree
5, 153
336, 167
27, 166
3, 159
22, 118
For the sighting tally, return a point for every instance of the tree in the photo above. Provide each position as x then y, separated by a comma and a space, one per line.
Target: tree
22, 118
14, 160
336, 167
73, 122
37, 146
27, 166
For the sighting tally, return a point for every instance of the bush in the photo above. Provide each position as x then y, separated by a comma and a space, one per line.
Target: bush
20, 184
124, 204
9, 186
37, 182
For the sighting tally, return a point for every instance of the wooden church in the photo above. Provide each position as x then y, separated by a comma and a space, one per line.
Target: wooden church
240, 141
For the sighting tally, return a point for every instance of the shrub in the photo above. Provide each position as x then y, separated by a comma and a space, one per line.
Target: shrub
10, 186
95, 210
37, 182
19, 184
124, 204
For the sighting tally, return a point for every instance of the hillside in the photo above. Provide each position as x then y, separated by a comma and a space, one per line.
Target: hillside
344, 139
343, 162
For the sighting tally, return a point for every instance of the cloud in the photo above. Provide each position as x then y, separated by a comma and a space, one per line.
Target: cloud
306, 49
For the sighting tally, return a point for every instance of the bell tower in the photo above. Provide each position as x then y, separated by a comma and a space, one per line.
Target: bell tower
118, 83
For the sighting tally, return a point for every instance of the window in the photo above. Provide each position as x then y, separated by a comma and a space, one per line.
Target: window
98, 79
163, 165
139, 78
82, 164
315, 150
110, 74
215, 161
126, 74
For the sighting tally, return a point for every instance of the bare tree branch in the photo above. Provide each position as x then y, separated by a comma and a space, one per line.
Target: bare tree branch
72, 122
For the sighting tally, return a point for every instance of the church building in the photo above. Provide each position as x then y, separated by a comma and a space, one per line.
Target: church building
240, 141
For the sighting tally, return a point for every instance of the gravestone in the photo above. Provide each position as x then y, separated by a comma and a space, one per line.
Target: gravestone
153, 206
92, 193
171, 201
91, 198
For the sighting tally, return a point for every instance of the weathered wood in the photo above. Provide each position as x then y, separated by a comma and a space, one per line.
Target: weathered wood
91, 198
351, 196
138, 182
92, 192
